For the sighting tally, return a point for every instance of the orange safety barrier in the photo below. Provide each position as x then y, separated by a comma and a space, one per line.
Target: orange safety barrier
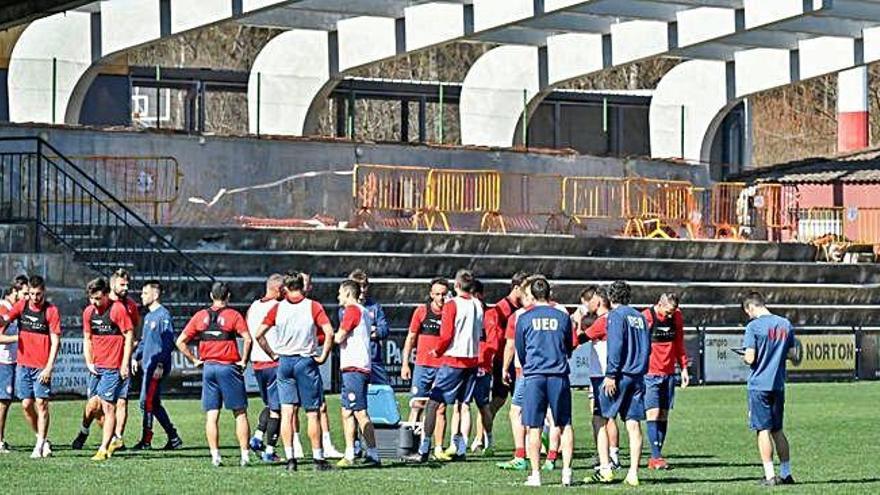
386, 194
699, 212
592, 198
464, 192
145, 183
773, 205
727, 208
528, 198
867, 225
656, 208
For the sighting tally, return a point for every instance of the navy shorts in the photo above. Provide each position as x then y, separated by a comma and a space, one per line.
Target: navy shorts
595, 390
482, 388
378, 374
423, 380
299, 382
659, 391
267, 383
354, 390
629, 401
7, 381
766, 409
94, 382
28, 386
454, 384
108, 385
223, 385
543, 391
519, 393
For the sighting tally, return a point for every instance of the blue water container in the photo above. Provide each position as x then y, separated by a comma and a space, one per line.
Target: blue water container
382, 405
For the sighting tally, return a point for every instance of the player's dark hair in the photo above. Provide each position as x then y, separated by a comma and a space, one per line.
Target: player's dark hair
358, 275
120, 273
352, 287
518, 279
220, 291
672, 298
464, 280
619, 292
602, 293
588, 293
154, 284
19, 282
36, 282
755, 299
294, 281
97, 286
439, 281
539, 287
478, 287
9, 290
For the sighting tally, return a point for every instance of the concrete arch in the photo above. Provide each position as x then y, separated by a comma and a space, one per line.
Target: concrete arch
59, 44
491, 106
80, 41
289, 73
699, 93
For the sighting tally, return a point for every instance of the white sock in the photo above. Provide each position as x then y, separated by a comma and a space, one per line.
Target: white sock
245, 455
349, 453
84, 429
296, 440
270, 449
288, 452
326, 440
615, 454
768, 470
372, 452
785, 469
215, 454
490, 442
40, 442
633, 472
318, 454
258, 435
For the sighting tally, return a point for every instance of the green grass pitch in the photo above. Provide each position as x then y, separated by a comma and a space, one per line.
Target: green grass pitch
833, 429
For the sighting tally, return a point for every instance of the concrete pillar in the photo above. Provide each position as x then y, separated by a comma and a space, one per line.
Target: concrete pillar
852, 109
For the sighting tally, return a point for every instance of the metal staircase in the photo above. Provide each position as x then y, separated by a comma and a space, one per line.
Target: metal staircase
40, 186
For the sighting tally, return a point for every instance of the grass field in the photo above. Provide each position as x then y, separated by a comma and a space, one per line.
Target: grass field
833, 428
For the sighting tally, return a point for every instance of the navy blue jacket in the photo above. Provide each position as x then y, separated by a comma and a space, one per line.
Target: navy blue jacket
543, 340
629, 343
157, 341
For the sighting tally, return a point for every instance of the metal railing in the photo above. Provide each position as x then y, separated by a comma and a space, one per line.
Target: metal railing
39, 185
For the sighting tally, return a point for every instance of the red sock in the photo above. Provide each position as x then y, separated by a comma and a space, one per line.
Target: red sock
520, 453
552, 455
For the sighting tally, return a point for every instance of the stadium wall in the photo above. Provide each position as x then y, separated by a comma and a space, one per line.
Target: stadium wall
259, 174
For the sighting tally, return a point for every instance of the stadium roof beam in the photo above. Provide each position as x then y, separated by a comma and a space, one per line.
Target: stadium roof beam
704, 91
787, 26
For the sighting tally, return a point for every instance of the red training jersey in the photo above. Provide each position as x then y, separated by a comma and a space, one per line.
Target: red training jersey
425, 325
105, 327
667, 342
504, 309
35, 323
216, 330
492, 337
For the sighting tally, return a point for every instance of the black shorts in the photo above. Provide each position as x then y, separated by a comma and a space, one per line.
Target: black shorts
499, 389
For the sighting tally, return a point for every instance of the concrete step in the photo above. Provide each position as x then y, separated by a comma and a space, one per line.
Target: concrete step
399, 314
450, 243
427, 265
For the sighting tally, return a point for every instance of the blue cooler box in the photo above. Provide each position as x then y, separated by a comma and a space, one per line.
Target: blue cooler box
382, 407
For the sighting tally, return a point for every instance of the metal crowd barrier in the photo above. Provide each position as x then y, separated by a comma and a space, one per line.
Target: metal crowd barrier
457, 192
529, 198
587, 199
389, 195
145, 183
